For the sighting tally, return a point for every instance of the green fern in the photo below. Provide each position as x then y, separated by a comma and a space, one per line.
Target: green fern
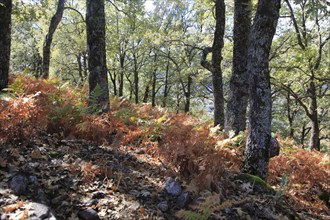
93, 106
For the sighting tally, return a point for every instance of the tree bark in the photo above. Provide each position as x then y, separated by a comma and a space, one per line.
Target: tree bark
136, 79
5, 41
217, 46
187, 94
95, 23
257, 153
314, 142
239, 85
166, 81
121, 74
56, 19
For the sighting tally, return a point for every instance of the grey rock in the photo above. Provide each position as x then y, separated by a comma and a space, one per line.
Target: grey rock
183, 199
90, 202
173, 187
88, 214
19, 184
163, 206
4, 216
42, 211
33, 180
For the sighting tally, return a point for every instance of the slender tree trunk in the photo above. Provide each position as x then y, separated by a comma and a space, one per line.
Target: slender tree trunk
80, 69
153, 93
166, 82
95, 23
121, 76
56, 19
188, 94
85, 65
239, 85
136, 79
290, 116
5, 41
257, 151
146, 93
218, 44
113, 78
314, 142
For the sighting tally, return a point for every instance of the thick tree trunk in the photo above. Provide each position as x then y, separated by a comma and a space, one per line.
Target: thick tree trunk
257, 151
5, 41
314, 142
56, 19
95, 23
239, 85
218, 44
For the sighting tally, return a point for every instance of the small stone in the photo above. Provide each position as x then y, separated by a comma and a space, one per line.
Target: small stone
91, 202
19, 184
183, 199
42, 211
173, 187
88, 214
163, 206
145, 193
98, 195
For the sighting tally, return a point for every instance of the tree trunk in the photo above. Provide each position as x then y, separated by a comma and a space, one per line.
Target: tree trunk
218, 44
239, 85
166, 82
5, 41
146, 93
113, 78
256, 155
49, 38
136, 79
121, 76
188, 94
314, 142
95, 23
290, 115
154, 83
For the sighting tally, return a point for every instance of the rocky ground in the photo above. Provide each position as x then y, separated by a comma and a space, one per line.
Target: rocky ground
55, 178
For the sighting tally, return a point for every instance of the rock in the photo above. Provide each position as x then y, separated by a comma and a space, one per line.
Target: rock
145, 193
173, 187
90, 202
4, 216
88, 214
42, 211
98, 195
40, 196
274, 149
19, 184
33, 180
183, 199
163, 206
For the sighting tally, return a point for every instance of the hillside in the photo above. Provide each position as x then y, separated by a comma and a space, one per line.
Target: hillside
139, 162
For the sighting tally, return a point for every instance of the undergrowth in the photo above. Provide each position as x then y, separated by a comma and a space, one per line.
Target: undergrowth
194, 150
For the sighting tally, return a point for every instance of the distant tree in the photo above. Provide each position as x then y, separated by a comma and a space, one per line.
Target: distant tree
98, 78
5, 41
49, 38
238, 93
257, 151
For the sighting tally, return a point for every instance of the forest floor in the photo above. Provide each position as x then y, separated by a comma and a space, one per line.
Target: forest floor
139, 162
